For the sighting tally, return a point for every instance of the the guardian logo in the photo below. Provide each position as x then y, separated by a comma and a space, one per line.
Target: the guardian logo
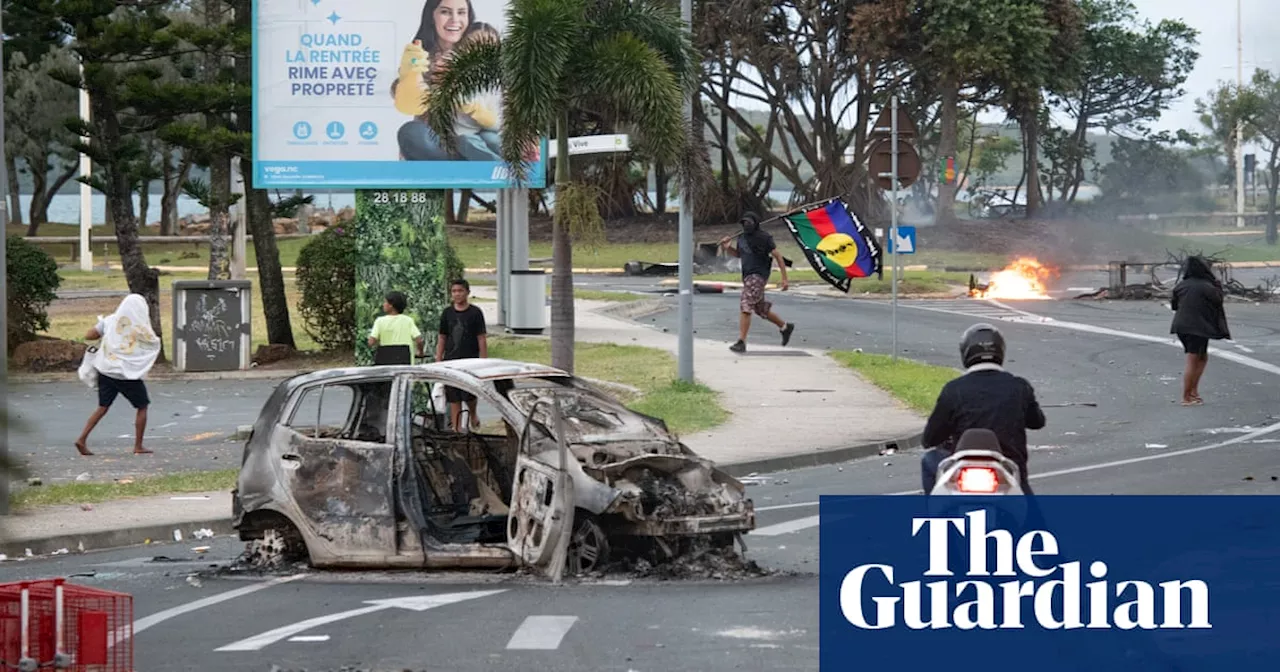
1057, 603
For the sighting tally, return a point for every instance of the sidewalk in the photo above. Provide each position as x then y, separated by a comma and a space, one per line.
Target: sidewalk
789, 408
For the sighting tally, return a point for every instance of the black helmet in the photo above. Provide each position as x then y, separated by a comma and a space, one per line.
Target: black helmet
982, 344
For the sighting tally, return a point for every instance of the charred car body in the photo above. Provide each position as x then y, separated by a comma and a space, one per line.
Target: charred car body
355, 467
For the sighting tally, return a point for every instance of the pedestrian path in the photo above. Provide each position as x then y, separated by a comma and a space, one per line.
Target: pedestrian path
783, 402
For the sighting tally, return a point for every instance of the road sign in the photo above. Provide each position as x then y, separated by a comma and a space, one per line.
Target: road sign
880, 163
594, 144
882, 128
905, 243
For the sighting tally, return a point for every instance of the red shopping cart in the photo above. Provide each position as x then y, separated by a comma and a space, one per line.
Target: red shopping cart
50, 623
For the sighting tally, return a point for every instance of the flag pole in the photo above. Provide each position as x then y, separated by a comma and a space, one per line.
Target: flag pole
893, 223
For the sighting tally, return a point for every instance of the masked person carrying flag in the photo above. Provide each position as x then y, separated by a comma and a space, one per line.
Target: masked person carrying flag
757, 251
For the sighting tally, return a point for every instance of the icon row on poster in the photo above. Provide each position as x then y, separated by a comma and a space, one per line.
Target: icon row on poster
335, 130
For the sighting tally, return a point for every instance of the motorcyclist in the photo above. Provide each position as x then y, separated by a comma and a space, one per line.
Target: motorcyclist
985, 397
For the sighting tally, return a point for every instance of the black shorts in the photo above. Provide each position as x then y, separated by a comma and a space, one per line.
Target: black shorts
1194, 345
133, 390
453, 394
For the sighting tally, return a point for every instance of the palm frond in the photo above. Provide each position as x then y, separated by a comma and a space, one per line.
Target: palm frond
657, 23
473, 68
631, 75
542, 36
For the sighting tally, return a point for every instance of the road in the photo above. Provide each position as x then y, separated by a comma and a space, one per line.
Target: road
1137, 441
189, 617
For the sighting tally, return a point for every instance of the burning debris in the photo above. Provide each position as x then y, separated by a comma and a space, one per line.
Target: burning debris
1025, 278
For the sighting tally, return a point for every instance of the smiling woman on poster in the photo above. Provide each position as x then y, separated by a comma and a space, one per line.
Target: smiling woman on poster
445, 25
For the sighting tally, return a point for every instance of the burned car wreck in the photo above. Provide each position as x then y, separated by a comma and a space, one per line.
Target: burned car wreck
357, 468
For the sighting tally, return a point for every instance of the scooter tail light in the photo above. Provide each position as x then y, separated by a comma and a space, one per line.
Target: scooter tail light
978, 479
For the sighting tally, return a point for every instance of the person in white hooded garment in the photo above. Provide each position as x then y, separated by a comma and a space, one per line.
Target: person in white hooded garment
128, 349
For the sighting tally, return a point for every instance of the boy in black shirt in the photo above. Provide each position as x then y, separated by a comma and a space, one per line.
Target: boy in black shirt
462, 336
757, 251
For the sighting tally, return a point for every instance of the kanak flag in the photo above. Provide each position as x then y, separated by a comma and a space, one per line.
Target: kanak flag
836, 244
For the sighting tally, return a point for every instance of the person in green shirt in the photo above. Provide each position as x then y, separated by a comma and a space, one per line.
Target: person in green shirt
396, 328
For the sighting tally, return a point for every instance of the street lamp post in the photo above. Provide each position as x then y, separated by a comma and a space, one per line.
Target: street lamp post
685, 368
1239, 123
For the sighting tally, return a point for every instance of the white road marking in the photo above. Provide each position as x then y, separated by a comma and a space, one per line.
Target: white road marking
1105, 331
541, 633
1251, 437
787, 527
310, 638
162, 616
777, 507
415, 603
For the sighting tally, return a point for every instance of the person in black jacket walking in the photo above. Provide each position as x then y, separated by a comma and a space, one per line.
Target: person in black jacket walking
985, 397
1199, 317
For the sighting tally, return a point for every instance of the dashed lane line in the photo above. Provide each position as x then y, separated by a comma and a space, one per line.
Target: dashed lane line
541, 633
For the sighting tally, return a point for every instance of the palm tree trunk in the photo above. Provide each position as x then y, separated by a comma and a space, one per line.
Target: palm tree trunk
561, 263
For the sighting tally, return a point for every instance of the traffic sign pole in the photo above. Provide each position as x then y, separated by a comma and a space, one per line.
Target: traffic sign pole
893, 222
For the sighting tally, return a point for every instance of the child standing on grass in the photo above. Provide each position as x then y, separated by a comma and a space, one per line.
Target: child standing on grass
129, 348
395, 328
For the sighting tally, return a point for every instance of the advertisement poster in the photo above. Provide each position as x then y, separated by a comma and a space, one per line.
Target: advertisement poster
340, 89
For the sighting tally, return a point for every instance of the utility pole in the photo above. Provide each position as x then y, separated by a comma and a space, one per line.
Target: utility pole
893, 221
686, 236
4, 291
1239, 123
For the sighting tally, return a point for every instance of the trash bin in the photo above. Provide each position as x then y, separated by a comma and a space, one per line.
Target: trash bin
527, 312
211, 324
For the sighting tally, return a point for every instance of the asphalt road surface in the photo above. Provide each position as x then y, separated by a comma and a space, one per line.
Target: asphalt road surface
186, 616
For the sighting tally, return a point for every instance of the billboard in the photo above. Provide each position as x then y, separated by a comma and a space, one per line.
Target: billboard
339, 89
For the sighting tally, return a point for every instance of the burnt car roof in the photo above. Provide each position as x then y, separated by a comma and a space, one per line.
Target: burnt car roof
480, 369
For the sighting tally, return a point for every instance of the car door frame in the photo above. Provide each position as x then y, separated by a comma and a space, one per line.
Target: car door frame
354, 520
542, 502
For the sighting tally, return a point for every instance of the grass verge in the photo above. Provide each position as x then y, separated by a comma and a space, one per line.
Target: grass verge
914, 383
684, 406
89, 493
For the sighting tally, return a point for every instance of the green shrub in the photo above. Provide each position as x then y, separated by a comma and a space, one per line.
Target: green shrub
327, 280
33, 284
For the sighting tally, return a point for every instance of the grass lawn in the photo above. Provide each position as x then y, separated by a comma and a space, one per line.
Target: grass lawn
71, 319
597, 295
685, 407
88, 493
912, 382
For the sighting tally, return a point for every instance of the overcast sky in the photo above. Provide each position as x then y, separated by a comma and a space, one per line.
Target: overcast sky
1216, 22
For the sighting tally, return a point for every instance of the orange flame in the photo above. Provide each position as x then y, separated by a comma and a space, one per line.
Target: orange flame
1023, 279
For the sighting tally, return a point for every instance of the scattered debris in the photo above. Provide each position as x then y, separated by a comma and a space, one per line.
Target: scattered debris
200, 549
83, 477
888, 451
34, 481
61, 551
203, 533
177, 535
1156, 445
86, 507
194, 581
700, 560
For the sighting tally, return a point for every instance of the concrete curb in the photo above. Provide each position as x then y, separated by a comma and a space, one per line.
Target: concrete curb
251, 374
630, 310
111, 539
819, 458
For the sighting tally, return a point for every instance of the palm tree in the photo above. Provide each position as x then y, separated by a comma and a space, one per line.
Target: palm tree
631, 57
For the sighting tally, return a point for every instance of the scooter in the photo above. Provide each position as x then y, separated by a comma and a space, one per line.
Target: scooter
977, 467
